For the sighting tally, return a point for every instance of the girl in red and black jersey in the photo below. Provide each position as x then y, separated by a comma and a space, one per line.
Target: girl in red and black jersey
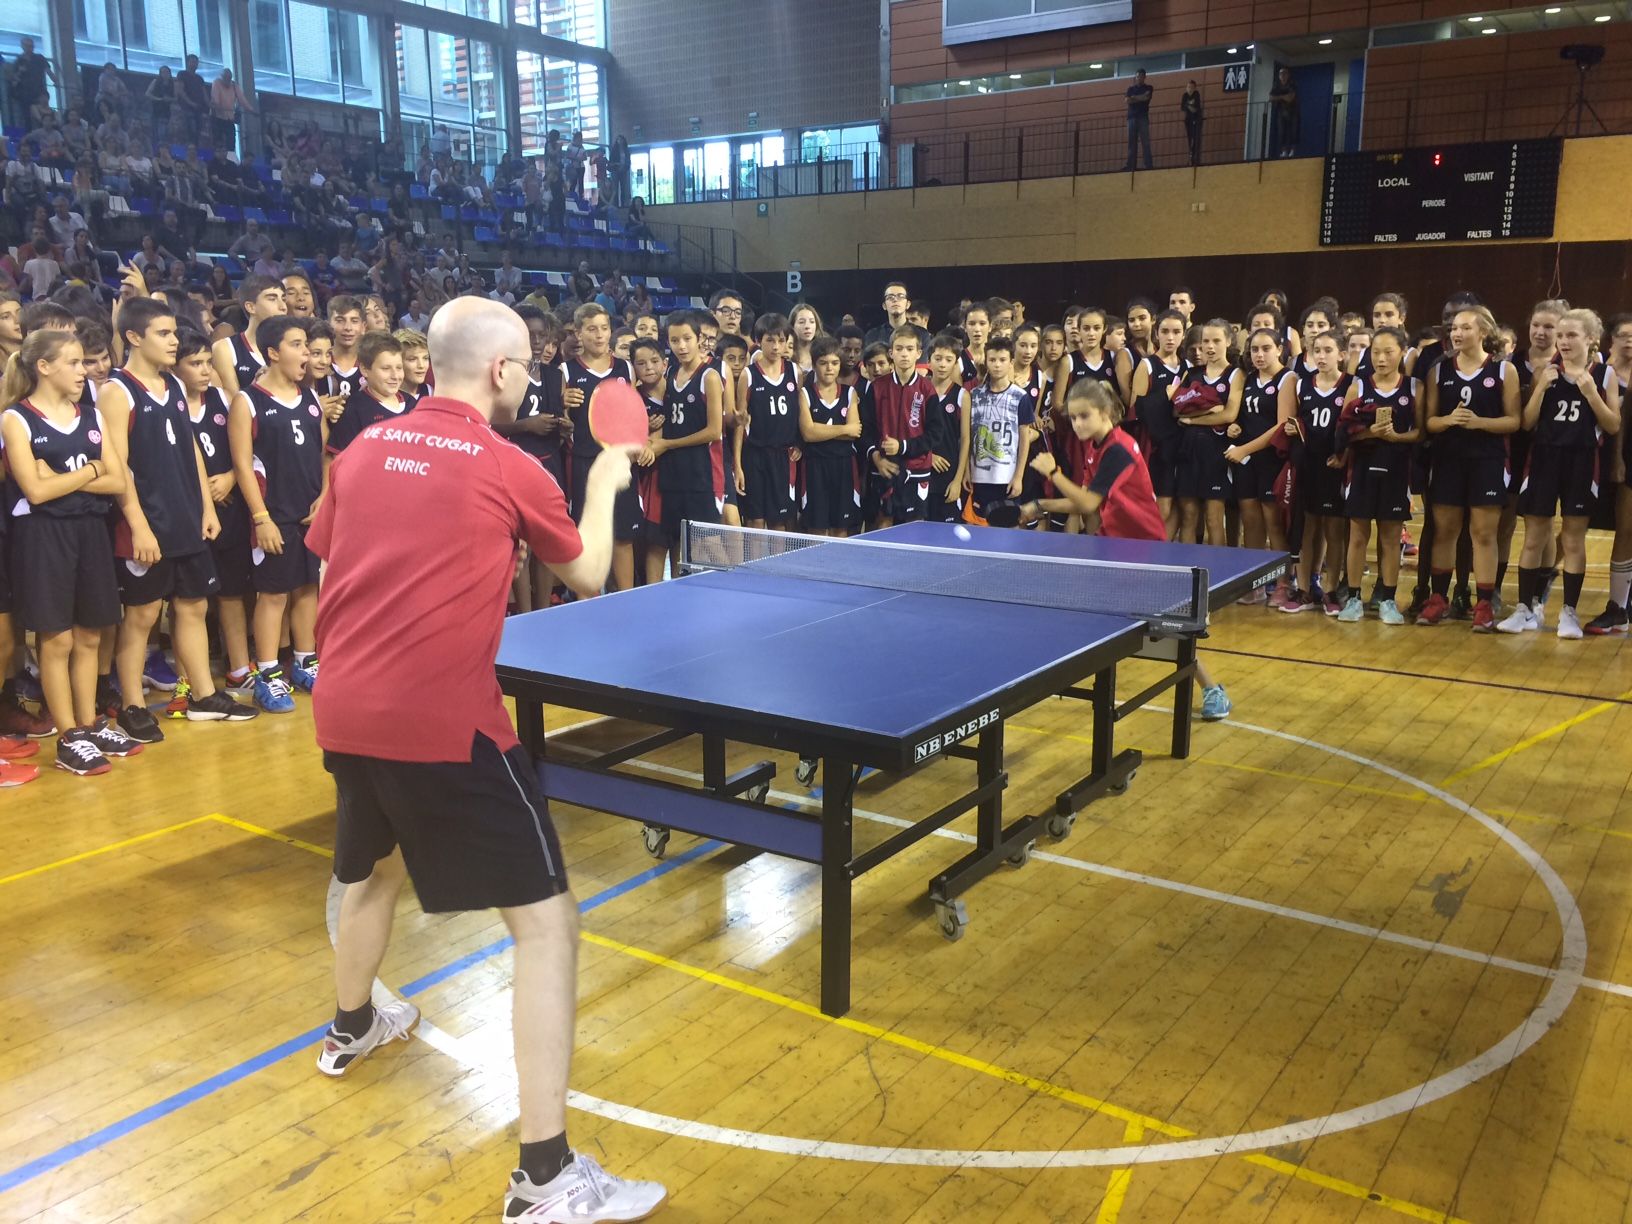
1529, 361
1324, 532
1151, 380
1613, 619
1376, 431
1206, 401
1472, 408
1141, 343
1269, 398
1574, 404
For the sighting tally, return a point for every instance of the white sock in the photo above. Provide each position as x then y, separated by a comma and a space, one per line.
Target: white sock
269, 667
303, 657
1620, 582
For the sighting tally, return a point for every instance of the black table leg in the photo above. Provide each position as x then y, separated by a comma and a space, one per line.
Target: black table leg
837, 846
1183, 691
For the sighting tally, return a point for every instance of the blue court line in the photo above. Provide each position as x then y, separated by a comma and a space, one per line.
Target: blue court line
187, 1096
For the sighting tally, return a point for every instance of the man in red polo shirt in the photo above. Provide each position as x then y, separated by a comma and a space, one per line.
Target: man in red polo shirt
420, 529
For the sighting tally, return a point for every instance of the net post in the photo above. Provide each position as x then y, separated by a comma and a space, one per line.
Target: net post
1199, 589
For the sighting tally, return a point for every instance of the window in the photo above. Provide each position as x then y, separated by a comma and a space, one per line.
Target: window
662, 176
579, 21
269, 46
966, 21
561, 96
462, 112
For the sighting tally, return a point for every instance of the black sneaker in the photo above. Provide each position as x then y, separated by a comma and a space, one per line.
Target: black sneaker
1612, 619
113, 742
78, 753
1461, 606
108, 701
218, 707
139, 724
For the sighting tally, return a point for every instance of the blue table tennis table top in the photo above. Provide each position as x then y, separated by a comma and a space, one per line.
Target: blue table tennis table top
881, 668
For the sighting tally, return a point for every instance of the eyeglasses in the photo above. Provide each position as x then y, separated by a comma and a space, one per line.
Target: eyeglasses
734, 312
526, 363
895, 297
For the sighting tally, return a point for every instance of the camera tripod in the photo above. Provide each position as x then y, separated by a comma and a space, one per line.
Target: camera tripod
1580, 108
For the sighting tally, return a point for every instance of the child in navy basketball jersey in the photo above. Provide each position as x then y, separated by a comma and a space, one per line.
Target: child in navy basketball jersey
1377, 429
1472, 407
1153, 409
167, 523
320, 377
830, 424
727, 354
238, 358
1575, 404
1115, 495
277, 435
580, 376
416, 364
207, 408
977, 325
1613, 619
62, 557
767, 448
1268, 400
1322, 538
651, 367
690, 466
947, 426
346, 322
1206, 401
379, 357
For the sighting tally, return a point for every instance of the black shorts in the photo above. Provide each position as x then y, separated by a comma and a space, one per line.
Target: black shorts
904, 499
1320, 488
768, 476
1519, 444
189, 577
1467, 482
831, 502
1164, 469
1378, 486
1562, 480
231, 550
63, 572
1422, 468
626, 512
1203, 473
474, 834
281, 573
5, 571
938, 509
1254, 480
682, 505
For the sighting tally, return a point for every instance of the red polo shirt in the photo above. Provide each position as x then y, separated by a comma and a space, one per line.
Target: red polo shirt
419, 529
1114, 469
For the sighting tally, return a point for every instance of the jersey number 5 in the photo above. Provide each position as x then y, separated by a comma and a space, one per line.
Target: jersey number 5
300, 436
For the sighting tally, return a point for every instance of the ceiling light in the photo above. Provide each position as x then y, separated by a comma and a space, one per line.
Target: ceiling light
1325, 42
1231, 51
1488, 30
1553, 12
1475, 20
963, 82
1604, 18
1014, 76
1096, 65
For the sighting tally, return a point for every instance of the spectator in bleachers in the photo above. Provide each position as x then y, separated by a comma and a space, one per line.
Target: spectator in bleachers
89, 196
635, 224
268, 264
41, 271
555, 187
367, 236
353, 272
508, 278
26, 179
399, 211
112, 94
65, 222
576, 159
1139, 95
85, 251
219, 284
415, 317
227, 102
323, 279
139, 166
615, 190
392, 275
275, 144
150, 257
77, 134
110, 163
49, 142
29, 72
247, 246
161, 98
192, 100
441, 144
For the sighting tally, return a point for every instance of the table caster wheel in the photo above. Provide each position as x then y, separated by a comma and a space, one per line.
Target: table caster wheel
1022, 856
757, 793
805, 774
657, 840
953, 918
1059, 827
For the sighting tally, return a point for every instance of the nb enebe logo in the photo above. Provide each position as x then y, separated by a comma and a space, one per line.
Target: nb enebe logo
925, 749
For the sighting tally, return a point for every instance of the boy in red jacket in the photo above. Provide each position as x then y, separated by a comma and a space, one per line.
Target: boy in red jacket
895, 445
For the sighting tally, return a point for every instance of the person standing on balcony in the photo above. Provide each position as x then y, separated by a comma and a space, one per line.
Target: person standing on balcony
1139, 95
1283, 103
1190, 104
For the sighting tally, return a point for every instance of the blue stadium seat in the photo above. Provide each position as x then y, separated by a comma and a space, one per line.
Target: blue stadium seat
141, 206
554, 239
229, 212
379, 204
449, 213
280, 216
469, 212
486, 234
252, 213
235, 269
416, 191
358, 202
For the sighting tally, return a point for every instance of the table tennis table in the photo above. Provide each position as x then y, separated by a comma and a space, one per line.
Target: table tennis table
894, 650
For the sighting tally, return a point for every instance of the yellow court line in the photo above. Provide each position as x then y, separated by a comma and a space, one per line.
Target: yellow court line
270, 833
1042, 1087
107, 849
1497, 758
1110, 1207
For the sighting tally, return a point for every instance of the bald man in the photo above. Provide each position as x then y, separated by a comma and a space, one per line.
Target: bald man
419, 532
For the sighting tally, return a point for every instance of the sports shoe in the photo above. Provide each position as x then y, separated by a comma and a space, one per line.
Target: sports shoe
1353, 610
176, 707
1408, 546
243, 686
1299, 601
139, 724
272, 692
1278, 597
583, 1191
1569, 625
1255, 596
78, 753
1484, 617
1520, 620
17, 775
157, 672
1434, 609
1612, 619
305, 678
1215, 704
1419, 600
392, 1022
1389, 613
28, 686
113, 742
1331, 605
17, 721
218, 707
1461, 606
805, 772
13, 749
1371, 602
108, 700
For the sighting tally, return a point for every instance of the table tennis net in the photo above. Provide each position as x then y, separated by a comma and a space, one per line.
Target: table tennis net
1169, 597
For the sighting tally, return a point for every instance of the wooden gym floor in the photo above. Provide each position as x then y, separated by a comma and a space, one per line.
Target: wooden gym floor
1375, 927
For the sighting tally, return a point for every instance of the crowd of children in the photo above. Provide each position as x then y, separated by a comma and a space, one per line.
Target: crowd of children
187, 475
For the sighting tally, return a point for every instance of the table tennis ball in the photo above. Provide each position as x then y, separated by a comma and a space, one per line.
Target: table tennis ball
961, 532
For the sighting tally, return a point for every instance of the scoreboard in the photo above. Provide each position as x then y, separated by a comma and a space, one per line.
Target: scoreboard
1454, 193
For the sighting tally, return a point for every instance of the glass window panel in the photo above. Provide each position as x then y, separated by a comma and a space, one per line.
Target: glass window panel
450, 71
359, 59
640, 175
206, 25
716, 169
316, 53
269, 46
484, 84
662, 176
153, 34
558, 95
579, 21
97, 37
963, 12
413, 78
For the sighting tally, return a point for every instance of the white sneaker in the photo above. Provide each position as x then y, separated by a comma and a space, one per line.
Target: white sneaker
1569, 625
581, 1193
1520, 620
392, 1022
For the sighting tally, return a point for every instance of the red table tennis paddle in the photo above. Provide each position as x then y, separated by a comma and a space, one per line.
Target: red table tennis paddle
617, 415
1005, 513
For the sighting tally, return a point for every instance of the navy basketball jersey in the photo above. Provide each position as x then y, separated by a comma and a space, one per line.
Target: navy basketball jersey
162, 467
842, 411
1260, 404
543, 398
1104, 369
693, 469
1401, 402
344, 382
288, 452
577, 374
1567, 420
247, 362
943, 421
773, 407
1480, 391
362, 410
1155, 407
65, 448
1318, 409
210, 431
